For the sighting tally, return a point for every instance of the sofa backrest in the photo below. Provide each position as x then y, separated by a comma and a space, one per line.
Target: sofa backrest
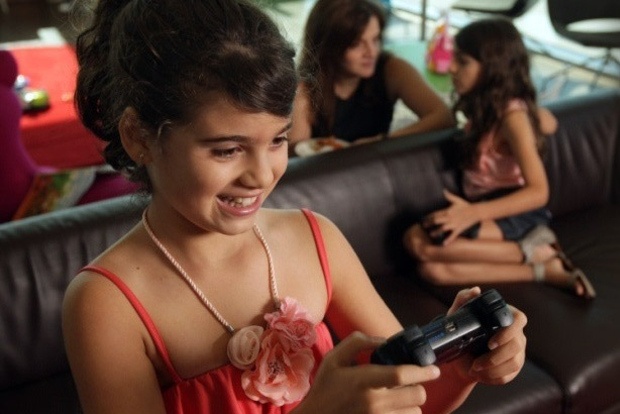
372, 192
38, 258
583, 157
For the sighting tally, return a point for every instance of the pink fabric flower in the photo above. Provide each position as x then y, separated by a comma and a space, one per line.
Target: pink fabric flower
282, 373
244, 346
293, 321
278, 372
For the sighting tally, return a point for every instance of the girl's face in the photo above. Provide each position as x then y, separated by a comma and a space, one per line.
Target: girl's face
465, 71
217, 171
360, 58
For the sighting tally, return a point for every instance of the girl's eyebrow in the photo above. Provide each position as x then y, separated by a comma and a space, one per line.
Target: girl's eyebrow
286, 128
242, 138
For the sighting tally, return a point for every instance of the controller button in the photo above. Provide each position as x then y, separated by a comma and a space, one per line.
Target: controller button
450, 326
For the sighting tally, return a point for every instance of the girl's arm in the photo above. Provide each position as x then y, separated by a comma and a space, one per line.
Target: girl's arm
356, 306
548, 121
519, 135
105, 342
406, 83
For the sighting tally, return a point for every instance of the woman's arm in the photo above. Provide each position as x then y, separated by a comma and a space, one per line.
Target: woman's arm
105, 343
406, 83
302, 116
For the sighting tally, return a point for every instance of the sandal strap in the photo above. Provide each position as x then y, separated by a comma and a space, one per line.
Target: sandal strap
539, 272
538, 236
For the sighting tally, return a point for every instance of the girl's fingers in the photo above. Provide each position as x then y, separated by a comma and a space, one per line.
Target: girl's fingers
394, 376
463, 296
451, 197
507, 356
347, 351
400, 400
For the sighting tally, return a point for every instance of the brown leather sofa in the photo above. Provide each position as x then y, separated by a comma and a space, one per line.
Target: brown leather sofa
373, 193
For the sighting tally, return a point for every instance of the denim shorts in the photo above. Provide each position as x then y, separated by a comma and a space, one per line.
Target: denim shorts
513, 227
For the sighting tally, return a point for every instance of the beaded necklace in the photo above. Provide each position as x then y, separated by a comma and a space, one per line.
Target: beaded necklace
197, 291
276, 362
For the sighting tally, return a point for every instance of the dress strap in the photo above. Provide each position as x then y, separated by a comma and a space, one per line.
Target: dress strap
146, 319
320, 247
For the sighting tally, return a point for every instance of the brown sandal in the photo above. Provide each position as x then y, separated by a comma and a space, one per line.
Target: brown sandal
538, 236
576, 274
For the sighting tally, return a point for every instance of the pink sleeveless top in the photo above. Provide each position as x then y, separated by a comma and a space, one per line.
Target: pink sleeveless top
495, 167
219, 391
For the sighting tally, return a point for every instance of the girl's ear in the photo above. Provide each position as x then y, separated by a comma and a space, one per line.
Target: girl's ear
134, 137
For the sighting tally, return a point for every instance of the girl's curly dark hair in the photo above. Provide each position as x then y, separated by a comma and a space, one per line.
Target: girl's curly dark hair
166, 58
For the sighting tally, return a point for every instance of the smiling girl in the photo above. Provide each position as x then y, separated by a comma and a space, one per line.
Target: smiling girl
203, 307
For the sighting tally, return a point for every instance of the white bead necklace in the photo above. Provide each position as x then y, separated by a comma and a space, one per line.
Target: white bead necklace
272, 278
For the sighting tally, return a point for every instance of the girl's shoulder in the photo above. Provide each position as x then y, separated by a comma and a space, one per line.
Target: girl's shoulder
291, 221
298, 227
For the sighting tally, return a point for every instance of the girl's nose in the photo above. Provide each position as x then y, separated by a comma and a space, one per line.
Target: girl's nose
259, 172
453, 67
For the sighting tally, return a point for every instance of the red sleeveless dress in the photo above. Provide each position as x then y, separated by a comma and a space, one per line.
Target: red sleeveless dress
219, 391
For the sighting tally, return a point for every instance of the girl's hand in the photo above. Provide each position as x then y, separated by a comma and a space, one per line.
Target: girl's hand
455, 219
462, 297
507, 356
341, 387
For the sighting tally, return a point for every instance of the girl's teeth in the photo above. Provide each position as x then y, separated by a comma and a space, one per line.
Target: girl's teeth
240, 201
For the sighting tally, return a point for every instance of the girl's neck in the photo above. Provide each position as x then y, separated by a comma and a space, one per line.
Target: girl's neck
197, 245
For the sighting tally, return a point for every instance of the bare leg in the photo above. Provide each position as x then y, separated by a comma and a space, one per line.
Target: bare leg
488, 260
484, 249
442, 273
479, 273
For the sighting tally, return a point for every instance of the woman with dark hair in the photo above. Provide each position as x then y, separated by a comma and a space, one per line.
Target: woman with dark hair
202, 306
499, 232
349, 85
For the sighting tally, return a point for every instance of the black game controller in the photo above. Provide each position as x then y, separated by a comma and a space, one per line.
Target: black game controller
445, 338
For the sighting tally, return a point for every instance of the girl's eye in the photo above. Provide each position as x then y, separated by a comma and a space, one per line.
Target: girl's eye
225, 152
279, 141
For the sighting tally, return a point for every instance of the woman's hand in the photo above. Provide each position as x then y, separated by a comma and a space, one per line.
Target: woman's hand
455, 219
340, 386
507, 356
369, 140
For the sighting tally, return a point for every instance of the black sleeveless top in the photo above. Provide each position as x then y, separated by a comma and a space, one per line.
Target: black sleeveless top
366, 113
